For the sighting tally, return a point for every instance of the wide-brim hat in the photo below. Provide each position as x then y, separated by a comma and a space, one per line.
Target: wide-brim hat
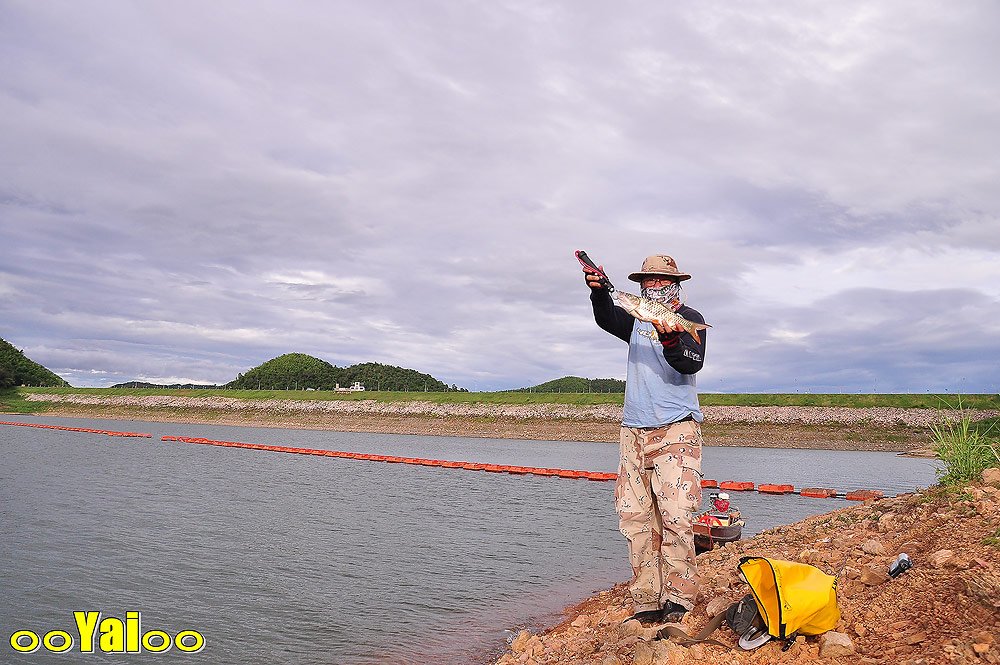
659, 265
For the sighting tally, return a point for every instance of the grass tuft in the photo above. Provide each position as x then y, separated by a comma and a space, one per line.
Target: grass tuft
966, 448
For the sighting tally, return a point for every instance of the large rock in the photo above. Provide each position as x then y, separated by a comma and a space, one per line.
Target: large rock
873, 547
631, 628
809, 556
834, 645
992, 477
873, 577
942, 558
984, 586
643, 654
517, 646
887, 522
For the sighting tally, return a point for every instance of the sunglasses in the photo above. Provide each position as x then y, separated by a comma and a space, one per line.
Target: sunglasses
663, 281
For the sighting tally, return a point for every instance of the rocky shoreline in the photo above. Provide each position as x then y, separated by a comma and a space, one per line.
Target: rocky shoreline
882, 429
945, 610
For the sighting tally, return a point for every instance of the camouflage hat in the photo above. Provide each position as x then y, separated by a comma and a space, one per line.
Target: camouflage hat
659, 265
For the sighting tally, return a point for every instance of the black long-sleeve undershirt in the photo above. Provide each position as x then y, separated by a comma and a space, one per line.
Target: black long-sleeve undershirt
680, 350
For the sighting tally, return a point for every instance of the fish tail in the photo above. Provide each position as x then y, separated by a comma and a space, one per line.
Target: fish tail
695, 327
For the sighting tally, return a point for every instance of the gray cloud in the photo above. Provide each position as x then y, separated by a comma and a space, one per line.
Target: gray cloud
189, 190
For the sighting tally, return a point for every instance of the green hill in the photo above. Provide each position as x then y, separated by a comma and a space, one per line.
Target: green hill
376, 376
17, 370
576, 384
298, 370
172, 386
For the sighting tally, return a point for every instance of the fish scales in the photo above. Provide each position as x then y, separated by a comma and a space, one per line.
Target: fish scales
645, 309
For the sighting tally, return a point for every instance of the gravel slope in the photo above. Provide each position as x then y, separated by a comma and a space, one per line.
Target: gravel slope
605, 413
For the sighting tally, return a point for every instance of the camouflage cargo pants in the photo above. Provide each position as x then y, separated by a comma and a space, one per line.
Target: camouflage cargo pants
657, 493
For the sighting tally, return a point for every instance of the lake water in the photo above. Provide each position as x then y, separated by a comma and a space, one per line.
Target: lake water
278, 558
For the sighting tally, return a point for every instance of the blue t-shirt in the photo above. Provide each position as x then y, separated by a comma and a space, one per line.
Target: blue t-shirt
655, 393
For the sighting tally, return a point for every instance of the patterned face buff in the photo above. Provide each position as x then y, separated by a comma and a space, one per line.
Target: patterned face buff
669, 295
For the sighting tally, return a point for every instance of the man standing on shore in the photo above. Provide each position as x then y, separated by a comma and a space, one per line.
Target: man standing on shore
659, 475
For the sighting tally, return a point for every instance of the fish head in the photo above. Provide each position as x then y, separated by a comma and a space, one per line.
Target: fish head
628, 302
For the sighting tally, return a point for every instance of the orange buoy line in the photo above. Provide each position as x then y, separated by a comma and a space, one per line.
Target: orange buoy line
81, 429
768, 488
446, 464
738, 486
728, 485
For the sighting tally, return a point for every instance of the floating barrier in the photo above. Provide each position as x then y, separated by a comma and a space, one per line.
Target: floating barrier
729, 485
863, 495
775, 489
81, 429
818, 492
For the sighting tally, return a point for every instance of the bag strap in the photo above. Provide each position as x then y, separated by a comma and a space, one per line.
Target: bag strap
686, 640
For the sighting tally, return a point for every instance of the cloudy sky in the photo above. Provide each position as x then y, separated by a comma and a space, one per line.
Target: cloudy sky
189, 189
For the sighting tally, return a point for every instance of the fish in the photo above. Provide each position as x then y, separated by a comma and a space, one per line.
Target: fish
645, 309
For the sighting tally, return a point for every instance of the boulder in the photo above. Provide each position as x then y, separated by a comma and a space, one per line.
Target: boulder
519, 642
974, 492
631, 628
887, 522
873, 577
834, 645
942, 558
649, 633
643, 654
667, 653
873, 547
984, 586
992, 477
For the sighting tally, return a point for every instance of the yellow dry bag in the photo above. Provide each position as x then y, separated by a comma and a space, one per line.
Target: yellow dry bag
792, 597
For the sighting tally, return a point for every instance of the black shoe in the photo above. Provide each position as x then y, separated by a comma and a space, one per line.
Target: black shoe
672, 612
646, 618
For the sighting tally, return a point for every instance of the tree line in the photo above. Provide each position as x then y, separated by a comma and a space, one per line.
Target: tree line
18, 370
576, 384
300, 371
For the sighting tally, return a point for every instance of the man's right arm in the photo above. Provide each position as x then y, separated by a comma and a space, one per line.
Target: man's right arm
609, 316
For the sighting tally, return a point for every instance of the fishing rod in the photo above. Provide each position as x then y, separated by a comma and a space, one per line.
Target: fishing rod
592, 268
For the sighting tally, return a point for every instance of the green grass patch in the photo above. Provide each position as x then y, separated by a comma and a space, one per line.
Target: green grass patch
993, 540
966, 448
12, 401
859, 401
